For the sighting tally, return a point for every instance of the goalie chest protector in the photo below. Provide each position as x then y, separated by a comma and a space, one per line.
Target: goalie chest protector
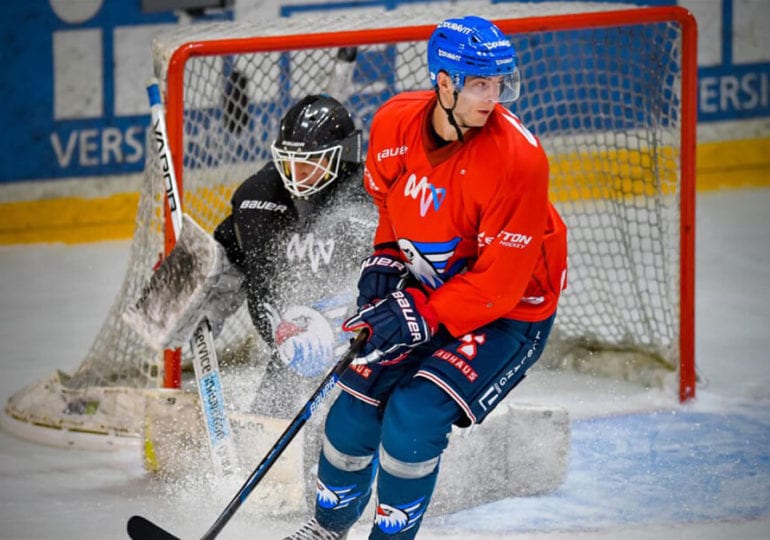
303, 256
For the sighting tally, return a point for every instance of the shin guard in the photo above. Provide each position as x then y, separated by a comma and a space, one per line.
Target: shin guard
402, 503
342, 495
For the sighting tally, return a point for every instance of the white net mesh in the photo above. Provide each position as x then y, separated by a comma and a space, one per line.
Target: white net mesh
606, 103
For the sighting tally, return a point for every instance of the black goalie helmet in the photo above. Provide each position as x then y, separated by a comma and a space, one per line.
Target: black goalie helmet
317, 143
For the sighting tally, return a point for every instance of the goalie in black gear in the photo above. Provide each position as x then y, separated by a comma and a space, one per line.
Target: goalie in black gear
291, 247
298, 229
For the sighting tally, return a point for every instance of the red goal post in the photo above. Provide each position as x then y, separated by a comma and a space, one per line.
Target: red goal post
554, 23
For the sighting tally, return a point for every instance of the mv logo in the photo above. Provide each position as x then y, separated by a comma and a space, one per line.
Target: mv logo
428, 194
307, 247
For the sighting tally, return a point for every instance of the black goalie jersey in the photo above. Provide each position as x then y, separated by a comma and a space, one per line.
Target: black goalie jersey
301, 260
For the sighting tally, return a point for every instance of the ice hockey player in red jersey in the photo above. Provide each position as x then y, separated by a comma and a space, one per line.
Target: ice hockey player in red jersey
460, 293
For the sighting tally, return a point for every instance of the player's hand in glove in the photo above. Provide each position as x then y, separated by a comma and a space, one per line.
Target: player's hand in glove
396, 324
381, 273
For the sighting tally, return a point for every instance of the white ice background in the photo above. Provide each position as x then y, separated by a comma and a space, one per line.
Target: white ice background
641, 465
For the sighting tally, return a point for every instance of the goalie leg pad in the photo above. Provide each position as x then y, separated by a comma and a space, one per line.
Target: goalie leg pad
175, 448
525, 449
526, 452
195, 281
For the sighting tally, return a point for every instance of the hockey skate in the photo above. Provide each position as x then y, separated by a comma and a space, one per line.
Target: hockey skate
312, 530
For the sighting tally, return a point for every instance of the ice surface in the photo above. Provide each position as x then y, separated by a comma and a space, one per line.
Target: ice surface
642, 466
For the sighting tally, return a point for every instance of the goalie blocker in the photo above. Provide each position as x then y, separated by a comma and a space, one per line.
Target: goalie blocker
526, 449
194, 282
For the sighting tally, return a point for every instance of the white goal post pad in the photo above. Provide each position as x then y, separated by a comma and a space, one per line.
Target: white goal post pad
519, 450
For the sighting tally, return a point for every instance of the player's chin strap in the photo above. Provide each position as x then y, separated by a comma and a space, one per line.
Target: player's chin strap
449, 113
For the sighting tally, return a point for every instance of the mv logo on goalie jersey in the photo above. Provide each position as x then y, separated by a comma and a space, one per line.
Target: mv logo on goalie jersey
311, 249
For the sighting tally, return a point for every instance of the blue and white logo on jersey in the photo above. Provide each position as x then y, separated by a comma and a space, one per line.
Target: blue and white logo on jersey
429, 195
394, 519
431, 262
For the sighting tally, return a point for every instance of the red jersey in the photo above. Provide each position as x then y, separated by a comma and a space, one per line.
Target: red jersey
472, 219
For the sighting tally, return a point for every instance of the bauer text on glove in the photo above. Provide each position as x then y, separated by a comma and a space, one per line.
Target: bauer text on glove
381, 273
396, 324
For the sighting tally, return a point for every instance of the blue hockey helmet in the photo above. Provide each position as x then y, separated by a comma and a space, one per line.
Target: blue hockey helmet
473, 46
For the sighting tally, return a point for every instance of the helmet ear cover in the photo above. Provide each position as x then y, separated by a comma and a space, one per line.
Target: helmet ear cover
351, 148
319, 134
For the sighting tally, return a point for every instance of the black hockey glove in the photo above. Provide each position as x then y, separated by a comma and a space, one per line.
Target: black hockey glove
381, 273
396, 324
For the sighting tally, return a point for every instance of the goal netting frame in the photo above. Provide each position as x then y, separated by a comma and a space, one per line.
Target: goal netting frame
621, 146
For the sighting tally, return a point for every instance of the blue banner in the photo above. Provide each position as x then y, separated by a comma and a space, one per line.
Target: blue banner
71, 67
63, 111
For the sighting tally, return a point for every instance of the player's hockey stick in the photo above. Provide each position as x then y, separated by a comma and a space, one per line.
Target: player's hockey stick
140, 528
205, 362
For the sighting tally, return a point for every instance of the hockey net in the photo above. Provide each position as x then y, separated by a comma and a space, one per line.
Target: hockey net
610, 91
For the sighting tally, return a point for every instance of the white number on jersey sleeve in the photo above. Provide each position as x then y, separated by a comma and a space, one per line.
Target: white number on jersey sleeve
515, 122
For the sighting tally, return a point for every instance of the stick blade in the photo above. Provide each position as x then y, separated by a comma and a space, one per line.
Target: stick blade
140, 528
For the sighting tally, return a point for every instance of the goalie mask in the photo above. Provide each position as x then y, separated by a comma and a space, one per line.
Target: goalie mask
317, 143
